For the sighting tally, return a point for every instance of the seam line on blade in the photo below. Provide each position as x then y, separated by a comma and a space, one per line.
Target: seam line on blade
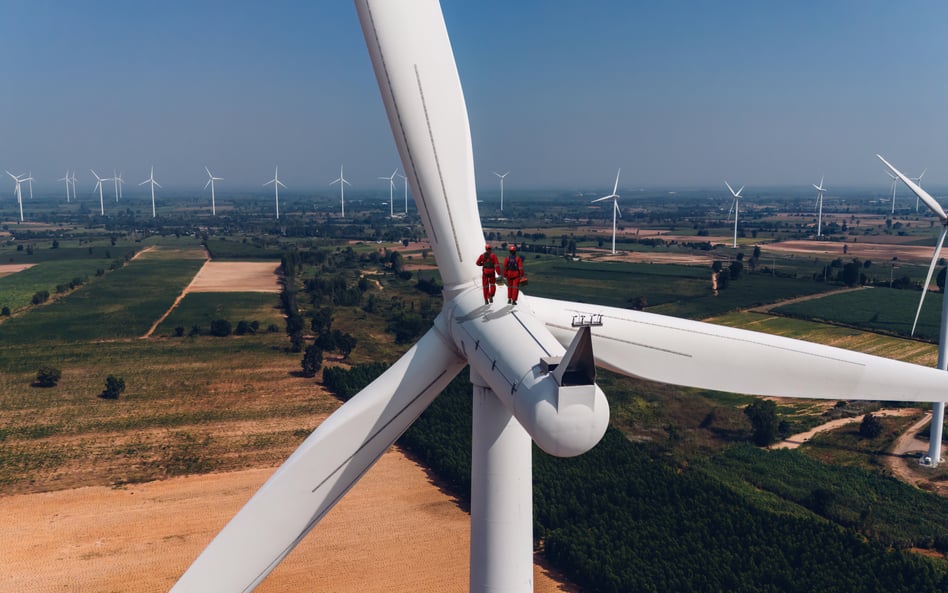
420, 195
529, 333
434, 151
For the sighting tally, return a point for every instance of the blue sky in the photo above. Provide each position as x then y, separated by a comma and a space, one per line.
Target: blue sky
561, 93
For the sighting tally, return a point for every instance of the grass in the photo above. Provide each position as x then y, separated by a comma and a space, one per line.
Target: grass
17, 290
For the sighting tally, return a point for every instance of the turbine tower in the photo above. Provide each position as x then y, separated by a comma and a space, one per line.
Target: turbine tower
29, 180
98, 186
276, 188
210, 181
819, 204
391, 193
615, 208
938, 408
19, 194
532, 366
502, 191
735, 206
342, 189
151, 181
66, 179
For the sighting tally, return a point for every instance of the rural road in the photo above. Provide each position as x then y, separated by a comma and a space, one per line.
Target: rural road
794, 441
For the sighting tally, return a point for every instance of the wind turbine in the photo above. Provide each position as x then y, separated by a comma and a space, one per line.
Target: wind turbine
391, 193
98, 186
151, 181
895, 181
918, 182
532, 366
502, 191
117, 181
276, 188
210, 181
735, 206
615, 207
66, 179
19, 194
121, 182
819, 203
342, 189
405, 179
73, 180
938, 408
29, 179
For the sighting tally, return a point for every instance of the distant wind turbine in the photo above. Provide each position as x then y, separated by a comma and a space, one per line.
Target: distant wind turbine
502, 193
342, 189
66, 179
391, 192
151, 181
19, 194
117, 181
29, 179
73, 180
938, 408
819, 204
614, 196
405, 179
895, 180
276, 188
735, 207
210, 181
918, 182
98, 186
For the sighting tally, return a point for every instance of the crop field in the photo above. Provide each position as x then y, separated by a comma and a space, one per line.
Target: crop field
883, 309
842, 337
122, 304
201, 308
681, 291
17, 290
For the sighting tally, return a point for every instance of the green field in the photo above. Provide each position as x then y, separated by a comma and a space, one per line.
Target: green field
681, 291
122, 304
17, 290
881, 309
200, 309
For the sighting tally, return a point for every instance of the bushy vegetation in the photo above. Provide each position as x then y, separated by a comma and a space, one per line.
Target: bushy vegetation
616, 520
48, 376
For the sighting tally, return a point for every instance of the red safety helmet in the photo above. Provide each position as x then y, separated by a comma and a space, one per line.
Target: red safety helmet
487, 247
512, 248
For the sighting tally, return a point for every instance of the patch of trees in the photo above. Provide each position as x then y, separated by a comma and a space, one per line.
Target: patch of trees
294, 321
615, 520
762, 414
870, 427
40, 297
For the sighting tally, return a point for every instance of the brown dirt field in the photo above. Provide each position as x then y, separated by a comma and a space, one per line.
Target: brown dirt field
237, 277
877, 252
7, 269
395, 531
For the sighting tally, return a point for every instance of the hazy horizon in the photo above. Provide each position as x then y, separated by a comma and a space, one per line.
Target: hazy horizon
559, 94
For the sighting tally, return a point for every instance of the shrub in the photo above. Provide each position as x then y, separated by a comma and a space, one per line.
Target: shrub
220, 328
312, 360
5, 311
114, 386
48, 376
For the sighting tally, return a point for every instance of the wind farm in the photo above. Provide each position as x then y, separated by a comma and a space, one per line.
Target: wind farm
312, 393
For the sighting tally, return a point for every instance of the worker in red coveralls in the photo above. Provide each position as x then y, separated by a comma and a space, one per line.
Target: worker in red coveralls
490, 266
513, 272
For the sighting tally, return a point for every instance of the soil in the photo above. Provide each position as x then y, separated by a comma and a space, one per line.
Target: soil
395, 531
7, 269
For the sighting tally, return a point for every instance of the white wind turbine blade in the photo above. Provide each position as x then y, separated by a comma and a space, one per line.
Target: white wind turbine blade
707, 356
322, 470
928, 278
615, 204
615, 188
733, 193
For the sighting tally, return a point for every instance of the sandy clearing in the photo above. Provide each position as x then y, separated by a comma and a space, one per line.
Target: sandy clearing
792, 442
395, 531
7, 269
877, 252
